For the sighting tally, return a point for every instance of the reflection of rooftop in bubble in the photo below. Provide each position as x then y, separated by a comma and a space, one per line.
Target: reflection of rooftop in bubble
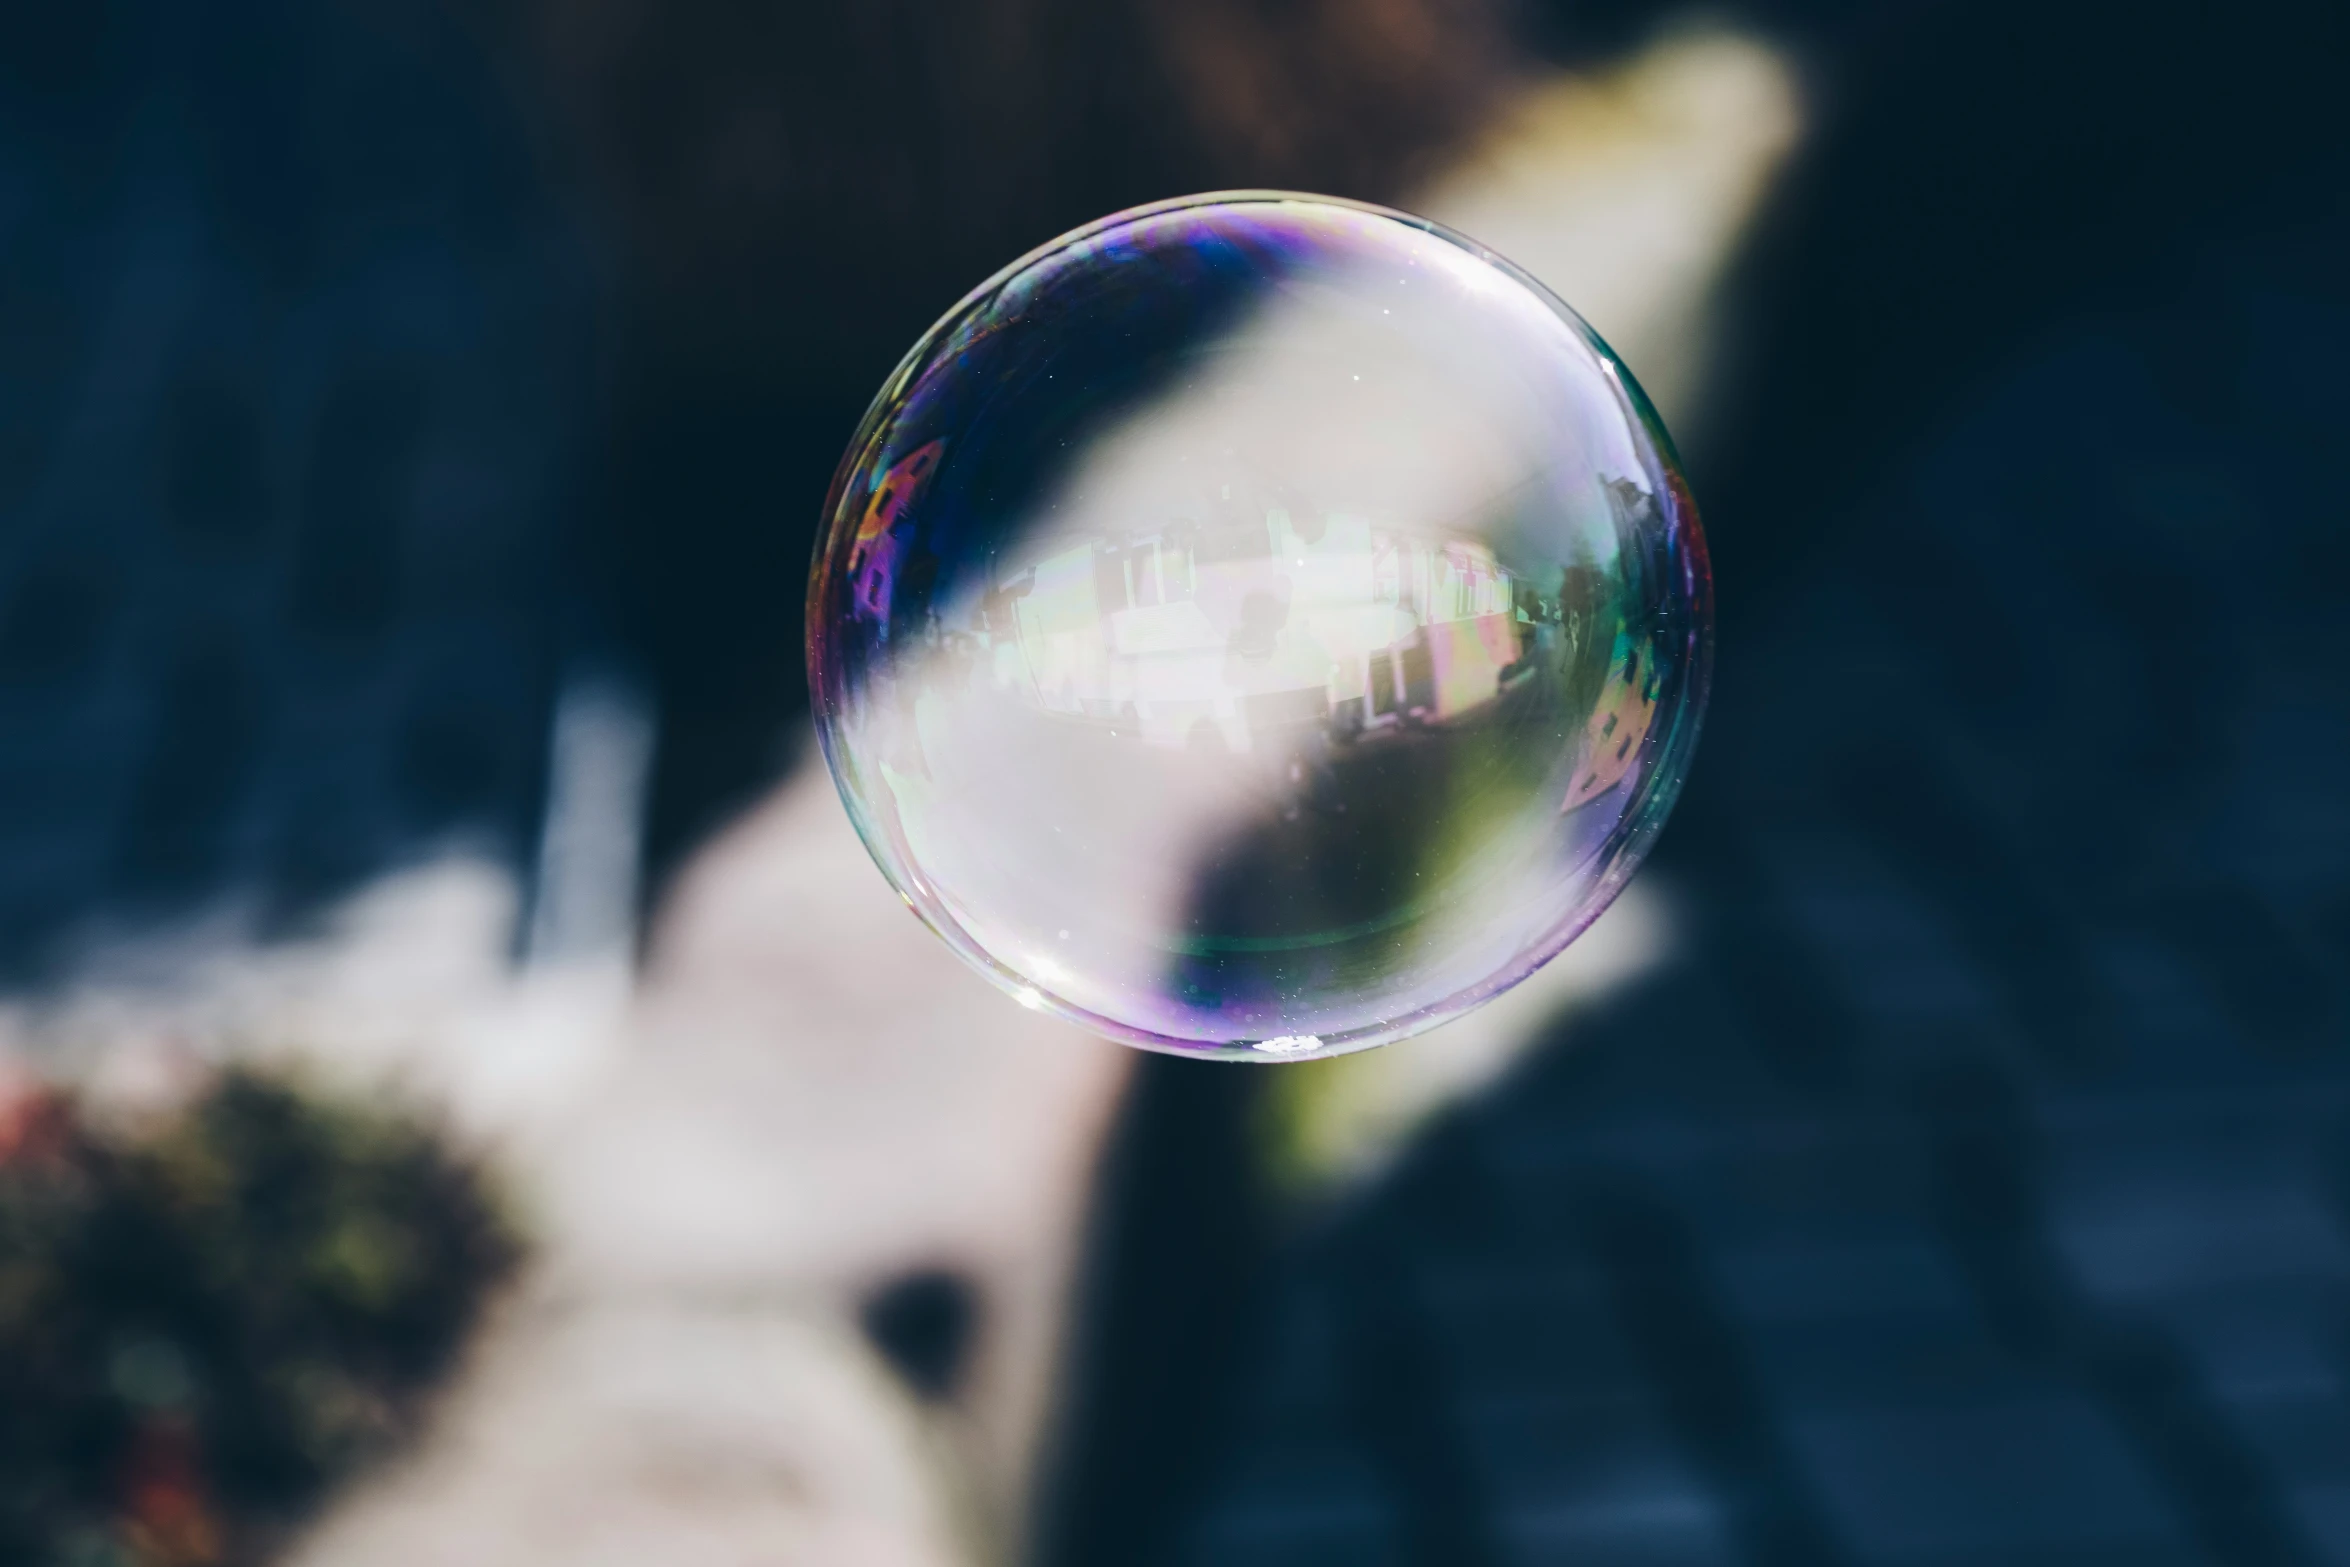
1152, 632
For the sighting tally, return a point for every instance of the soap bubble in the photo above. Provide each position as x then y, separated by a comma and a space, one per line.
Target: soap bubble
1259, 626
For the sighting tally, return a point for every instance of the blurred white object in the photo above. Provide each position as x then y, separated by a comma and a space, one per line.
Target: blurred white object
821, 1099
583, 909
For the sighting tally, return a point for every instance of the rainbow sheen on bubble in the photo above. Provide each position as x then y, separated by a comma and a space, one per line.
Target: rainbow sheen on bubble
1259, 626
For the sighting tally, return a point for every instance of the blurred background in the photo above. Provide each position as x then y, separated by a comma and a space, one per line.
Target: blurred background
465, 1098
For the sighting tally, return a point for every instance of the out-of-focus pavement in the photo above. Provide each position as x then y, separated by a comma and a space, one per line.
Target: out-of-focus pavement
811, 1099
803, 1096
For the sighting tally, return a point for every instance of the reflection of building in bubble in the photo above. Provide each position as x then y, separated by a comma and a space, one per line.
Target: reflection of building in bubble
873, 558
1260, 630
1612, 739
1623, 708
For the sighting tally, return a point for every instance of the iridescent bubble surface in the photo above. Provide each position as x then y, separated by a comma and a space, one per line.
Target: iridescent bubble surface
1259, 626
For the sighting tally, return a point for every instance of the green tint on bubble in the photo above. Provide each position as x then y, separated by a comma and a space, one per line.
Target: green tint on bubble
1259, 626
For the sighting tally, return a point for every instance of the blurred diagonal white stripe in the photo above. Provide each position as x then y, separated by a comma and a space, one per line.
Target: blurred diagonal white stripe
1627, 193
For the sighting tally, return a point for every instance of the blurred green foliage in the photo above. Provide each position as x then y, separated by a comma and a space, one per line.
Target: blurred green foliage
204, 1328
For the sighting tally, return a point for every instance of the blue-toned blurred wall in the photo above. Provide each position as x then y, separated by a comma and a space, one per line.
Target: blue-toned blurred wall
294, 395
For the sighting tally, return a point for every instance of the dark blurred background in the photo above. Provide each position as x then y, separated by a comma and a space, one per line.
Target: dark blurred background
1970, 1184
